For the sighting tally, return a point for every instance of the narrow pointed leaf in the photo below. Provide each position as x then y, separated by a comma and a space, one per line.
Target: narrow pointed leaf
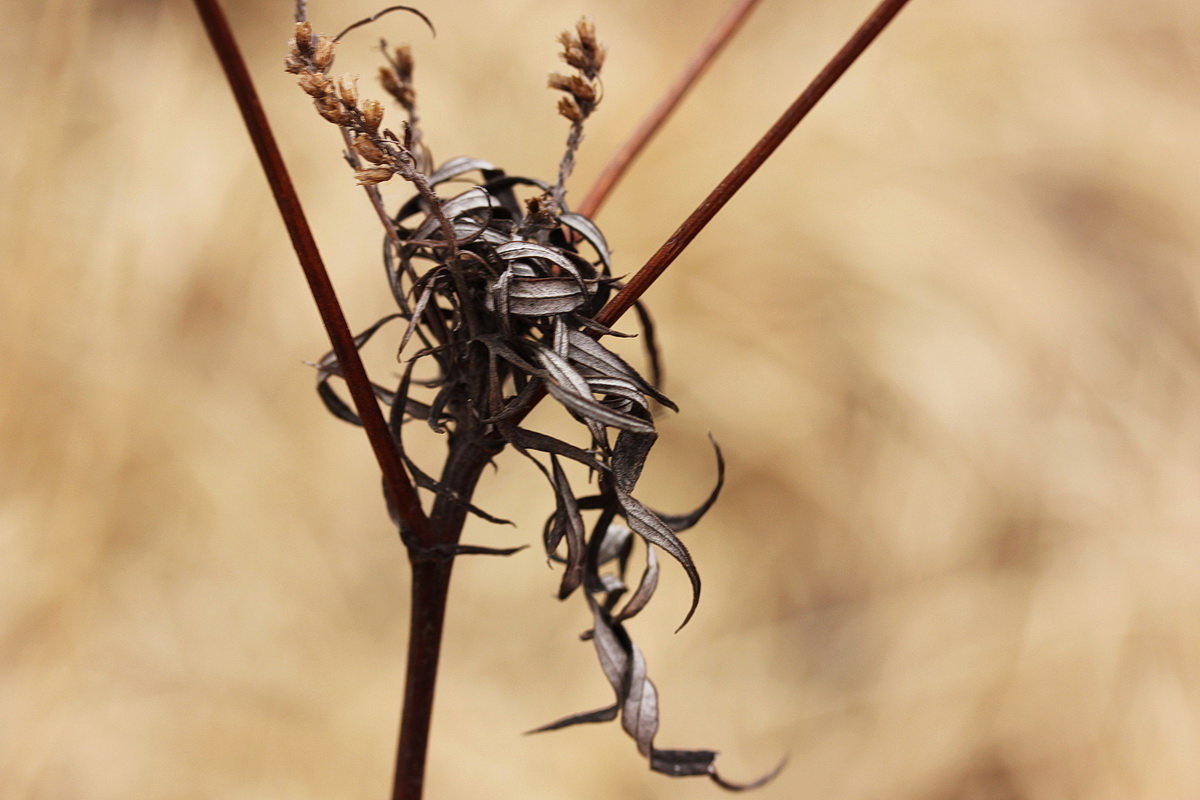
629, 457
646, 524
745, 787
681, 522
683, 763
588, 230
645, 590
525, 439
456, 167
599, 715
572, 524
543, 297
639, 712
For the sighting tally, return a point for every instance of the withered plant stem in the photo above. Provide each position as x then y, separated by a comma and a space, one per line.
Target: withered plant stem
403, 494
653, 122
716, 200
430, 578
427, 615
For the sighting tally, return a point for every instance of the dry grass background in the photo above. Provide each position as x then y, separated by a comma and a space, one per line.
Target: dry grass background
949, 341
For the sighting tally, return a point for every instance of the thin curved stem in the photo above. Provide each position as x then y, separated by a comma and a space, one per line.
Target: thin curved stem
727, 188
620, 162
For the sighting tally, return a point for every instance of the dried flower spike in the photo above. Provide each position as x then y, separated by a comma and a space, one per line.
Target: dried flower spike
339, 102
584, 52
372, 111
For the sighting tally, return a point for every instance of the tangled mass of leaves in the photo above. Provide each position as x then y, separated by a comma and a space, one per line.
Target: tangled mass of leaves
499, 296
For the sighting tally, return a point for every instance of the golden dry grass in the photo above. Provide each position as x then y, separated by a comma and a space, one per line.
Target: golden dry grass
949, 341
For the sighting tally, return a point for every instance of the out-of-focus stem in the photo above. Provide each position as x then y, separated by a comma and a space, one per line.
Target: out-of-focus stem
727, 188
653, 122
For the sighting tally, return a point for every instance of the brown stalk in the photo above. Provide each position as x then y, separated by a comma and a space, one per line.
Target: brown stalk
407, 504
431, 577
653, 122
716, 200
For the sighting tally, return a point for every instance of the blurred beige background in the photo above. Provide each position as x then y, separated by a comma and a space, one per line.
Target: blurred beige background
948, 339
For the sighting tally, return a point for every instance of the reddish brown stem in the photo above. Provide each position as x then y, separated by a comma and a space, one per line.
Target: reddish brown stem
431, 579
683, 236
396, 480
430, 585
427, 617
619, 164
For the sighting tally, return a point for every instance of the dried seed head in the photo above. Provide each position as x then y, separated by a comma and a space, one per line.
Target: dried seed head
331, 109
295, 63
369, 150
387, 79
372, 112
402, 62
585, 93
303, 43
373, 175
583, 50
573, 84
397, 78
314, 83
570, 109
323, 55
542, 211
348, 90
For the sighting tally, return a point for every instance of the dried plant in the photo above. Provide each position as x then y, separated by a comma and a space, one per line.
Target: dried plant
499, 297
505, 293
